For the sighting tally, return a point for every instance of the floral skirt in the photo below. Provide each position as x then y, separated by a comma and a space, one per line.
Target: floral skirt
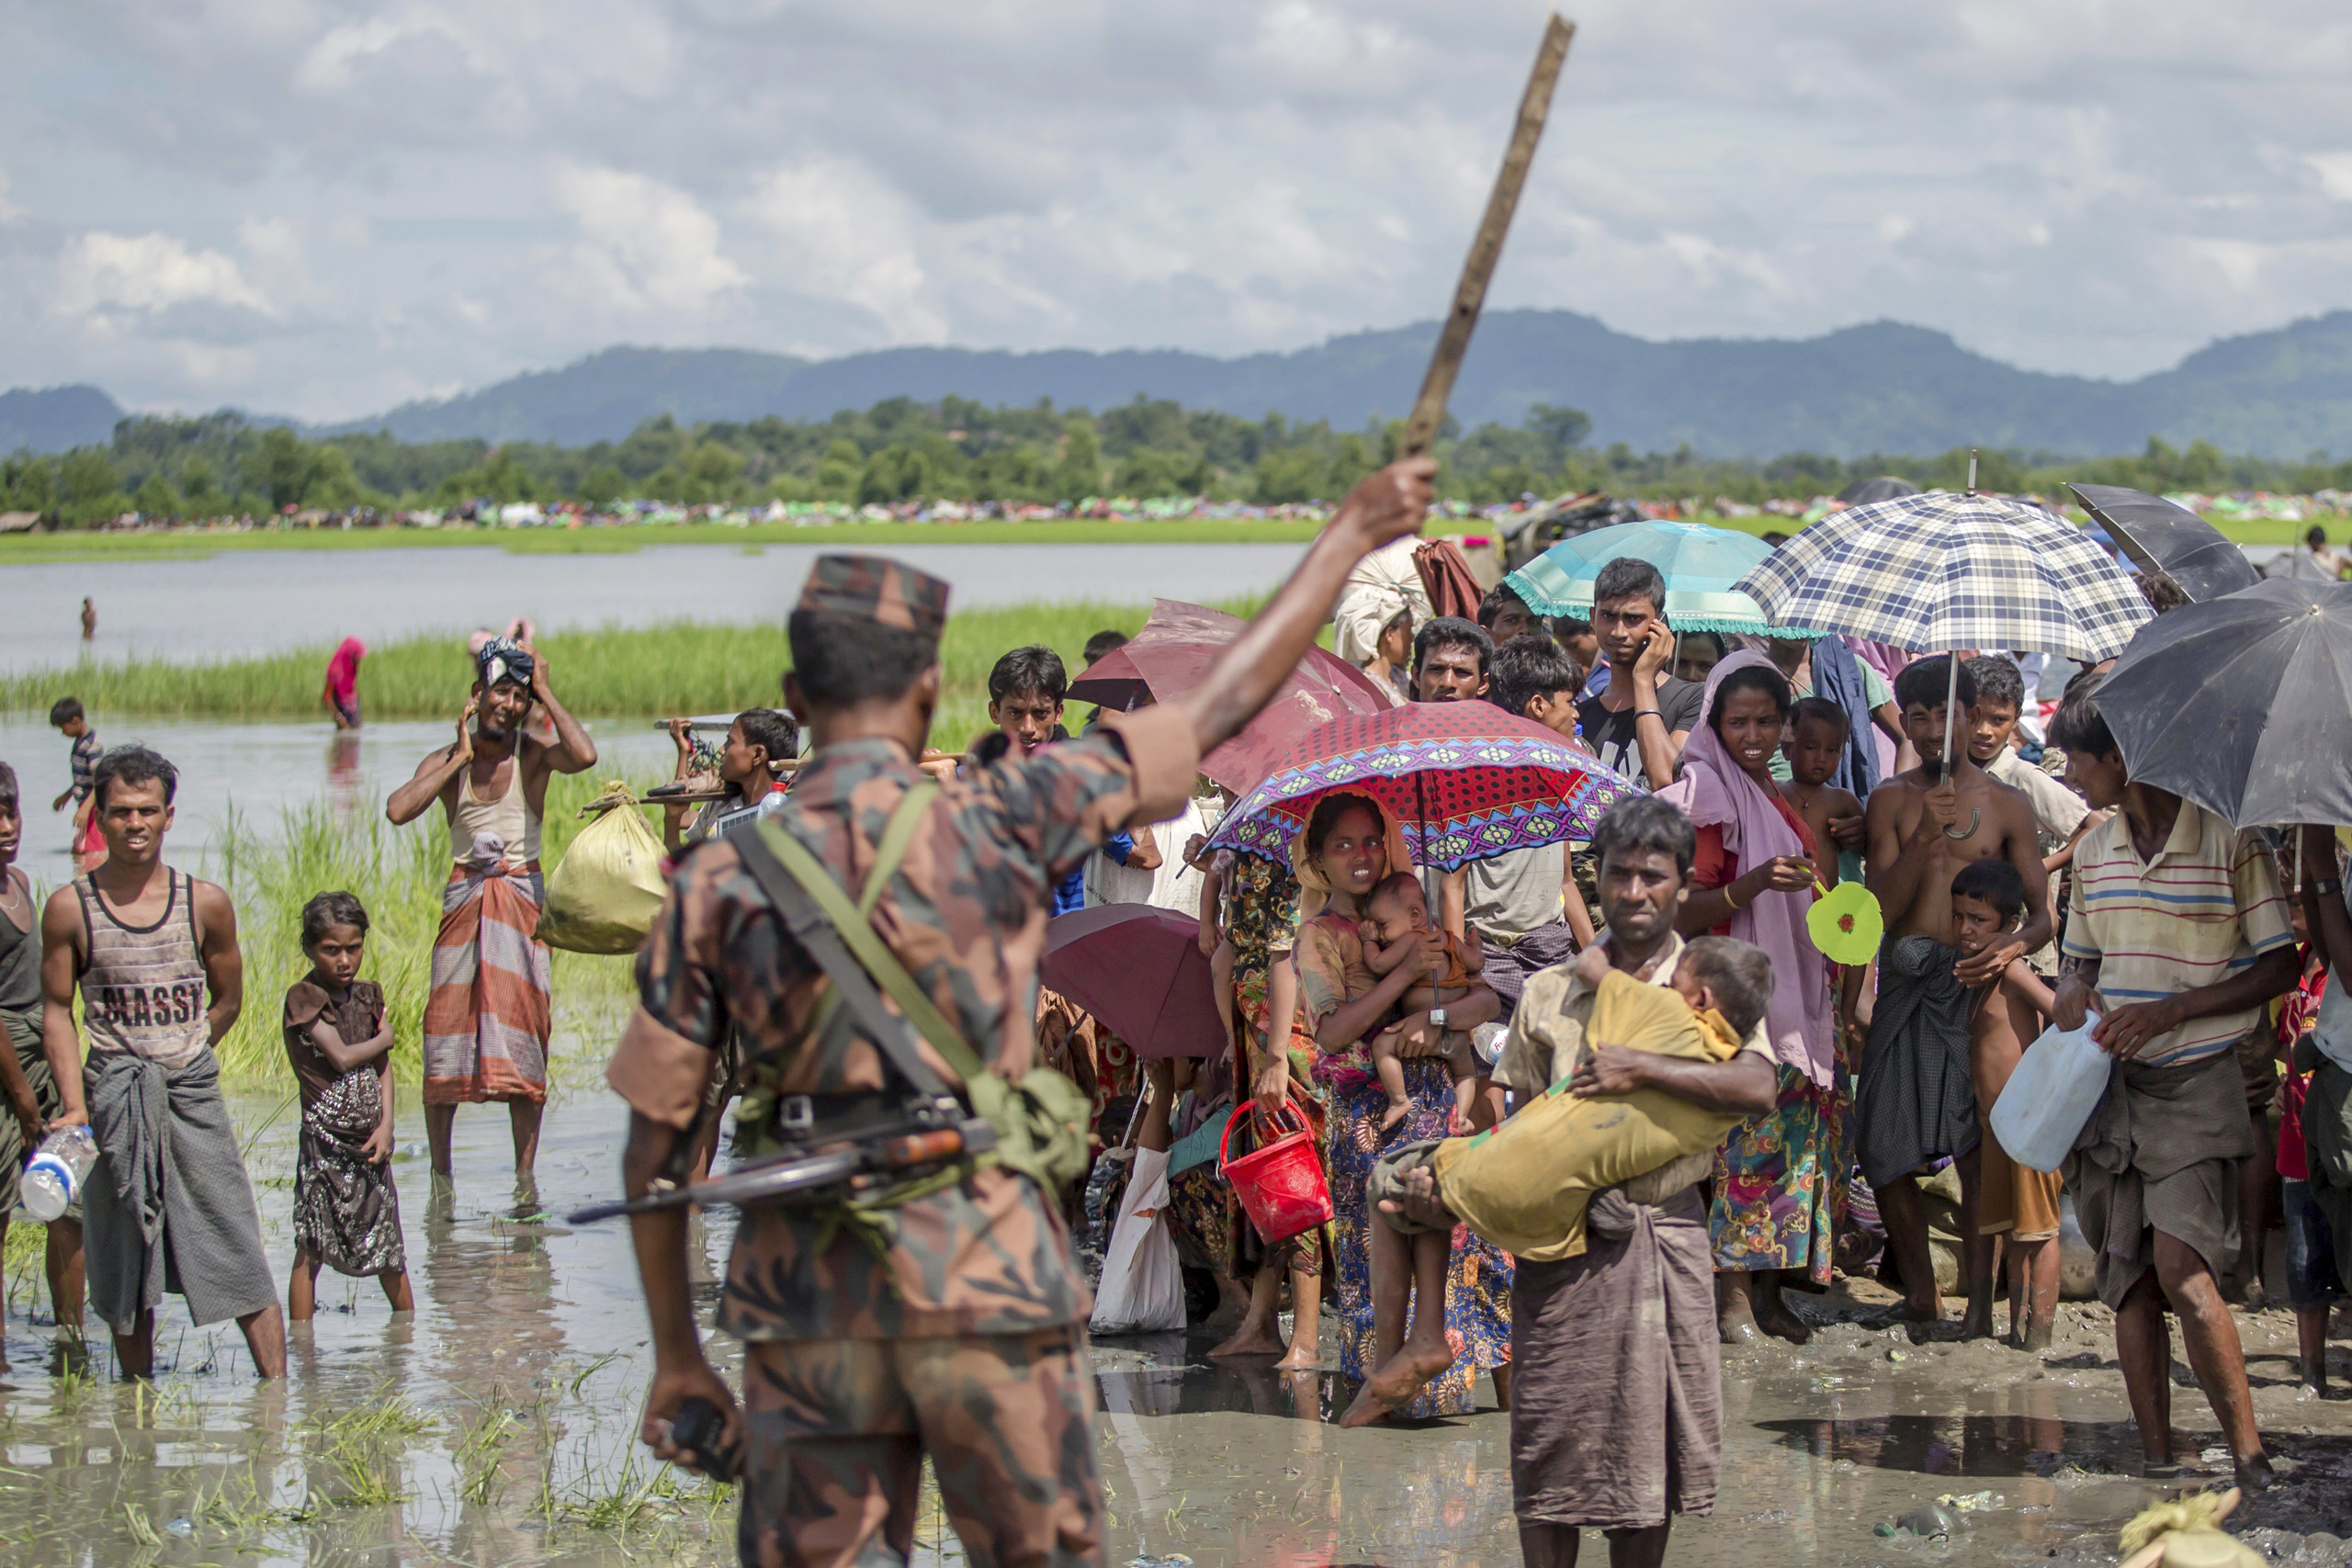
1780, 1182
1201, 1203
1478, 1274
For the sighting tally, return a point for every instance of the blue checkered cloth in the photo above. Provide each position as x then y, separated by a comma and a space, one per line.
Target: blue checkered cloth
1939, 572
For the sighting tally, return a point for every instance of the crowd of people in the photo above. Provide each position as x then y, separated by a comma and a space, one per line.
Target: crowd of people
2025, 879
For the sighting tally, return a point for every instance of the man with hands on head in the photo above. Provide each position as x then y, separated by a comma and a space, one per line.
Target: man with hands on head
488, 1021
2178, 937
956, 1329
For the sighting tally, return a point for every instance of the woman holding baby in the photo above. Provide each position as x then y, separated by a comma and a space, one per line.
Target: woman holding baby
1356, 986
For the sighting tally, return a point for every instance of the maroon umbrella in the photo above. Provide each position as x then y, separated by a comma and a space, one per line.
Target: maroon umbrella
1173, 652
1140, 970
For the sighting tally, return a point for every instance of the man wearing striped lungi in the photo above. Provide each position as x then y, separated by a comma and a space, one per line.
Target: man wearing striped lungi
488, 1019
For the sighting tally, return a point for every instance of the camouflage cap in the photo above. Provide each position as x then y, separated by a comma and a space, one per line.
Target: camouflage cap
875, 588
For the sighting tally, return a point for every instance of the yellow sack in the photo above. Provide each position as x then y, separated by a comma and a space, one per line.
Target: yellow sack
603, 895
1523, 1186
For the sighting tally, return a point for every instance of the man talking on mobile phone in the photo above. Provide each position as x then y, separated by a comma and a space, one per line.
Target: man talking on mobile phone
1639, 721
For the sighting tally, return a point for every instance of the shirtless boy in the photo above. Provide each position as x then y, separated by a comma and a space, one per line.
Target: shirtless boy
2018, 1207
1916, 1097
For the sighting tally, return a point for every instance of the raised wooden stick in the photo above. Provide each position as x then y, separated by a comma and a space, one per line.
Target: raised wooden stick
1478, 269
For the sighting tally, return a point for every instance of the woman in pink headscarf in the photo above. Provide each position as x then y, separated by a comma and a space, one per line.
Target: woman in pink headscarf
341, 696
1780, 1181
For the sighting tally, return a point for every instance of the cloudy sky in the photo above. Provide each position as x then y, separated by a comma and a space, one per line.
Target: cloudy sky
326, 209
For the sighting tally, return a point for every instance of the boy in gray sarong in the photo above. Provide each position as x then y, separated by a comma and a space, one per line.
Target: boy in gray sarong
154, 952
346, 1216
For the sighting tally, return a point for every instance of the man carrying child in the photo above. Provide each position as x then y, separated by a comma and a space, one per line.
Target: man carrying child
1625, 1451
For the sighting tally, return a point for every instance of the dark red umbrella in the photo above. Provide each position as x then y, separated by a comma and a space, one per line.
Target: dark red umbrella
1174, 651
1140, 970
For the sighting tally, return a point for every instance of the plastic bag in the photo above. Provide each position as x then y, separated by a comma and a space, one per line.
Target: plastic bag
2055, 1088
603, 895
1143, 1290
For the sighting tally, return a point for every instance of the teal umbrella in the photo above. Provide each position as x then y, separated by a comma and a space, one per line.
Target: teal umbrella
1701, 567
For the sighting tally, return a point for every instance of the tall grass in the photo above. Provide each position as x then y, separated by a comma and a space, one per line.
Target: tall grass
677, 667
272, 870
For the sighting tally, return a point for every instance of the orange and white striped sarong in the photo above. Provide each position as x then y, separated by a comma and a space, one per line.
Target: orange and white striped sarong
489, 1018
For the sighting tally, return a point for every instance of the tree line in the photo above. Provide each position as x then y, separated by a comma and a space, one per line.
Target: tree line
902, 449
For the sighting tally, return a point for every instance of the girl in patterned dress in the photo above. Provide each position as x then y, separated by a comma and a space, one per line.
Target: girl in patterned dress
339, 1042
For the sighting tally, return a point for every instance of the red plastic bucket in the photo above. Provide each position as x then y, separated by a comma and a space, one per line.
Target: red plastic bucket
1280, 1182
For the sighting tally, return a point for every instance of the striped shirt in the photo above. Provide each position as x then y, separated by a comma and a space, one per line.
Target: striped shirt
2202, 910
85, 763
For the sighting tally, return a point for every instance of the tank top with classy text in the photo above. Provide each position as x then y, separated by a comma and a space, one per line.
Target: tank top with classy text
143, 989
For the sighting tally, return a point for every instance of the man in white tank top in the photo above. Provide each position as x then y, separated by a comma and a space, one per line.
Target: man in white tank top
155, 952
488, 1020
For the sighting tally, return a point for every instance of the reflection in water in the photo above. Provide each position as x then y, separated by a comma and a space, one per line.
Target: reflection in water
346, 785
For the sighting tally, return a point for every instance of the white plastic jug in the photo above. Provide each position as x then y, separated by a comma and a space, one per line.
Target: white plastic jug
2057, 1085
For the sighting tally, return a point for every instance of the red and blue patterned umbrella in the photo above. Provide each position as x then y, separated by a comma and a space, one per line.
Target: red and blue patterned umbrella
1466, 780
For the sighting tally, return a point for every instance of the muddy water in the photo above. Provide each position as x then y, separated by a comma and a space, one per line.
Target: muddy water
497, 1426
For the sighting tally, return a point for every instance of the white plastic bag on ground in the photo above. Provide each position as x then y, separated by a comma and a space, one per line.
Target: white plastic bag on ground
1142, 1290
2057, 1085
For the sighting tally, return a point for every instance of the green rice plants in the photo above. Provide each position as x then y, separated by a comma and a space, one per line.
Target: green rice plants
482, 1444
382, 1414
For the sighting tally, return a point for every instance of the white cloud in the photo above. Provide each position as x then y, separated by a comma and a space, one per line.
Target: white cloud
841, 233
643, 246
446, 192
101, 273
2335, 172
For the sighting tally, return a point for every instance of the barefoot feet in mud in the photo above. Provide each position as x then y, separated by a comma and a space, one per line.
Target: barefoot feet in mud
1297, 1358
2255, 1475
1250, 1342
1779, 1321
1393, 1387
1737, 1325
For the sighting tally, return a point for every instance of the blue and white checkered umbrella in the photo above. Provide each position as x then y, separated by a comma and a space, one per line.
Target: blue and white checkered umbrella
1941, 571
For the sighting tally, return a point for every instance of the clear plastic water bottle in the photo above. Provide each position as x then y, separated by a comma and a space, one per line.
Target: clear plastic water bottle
56, 1173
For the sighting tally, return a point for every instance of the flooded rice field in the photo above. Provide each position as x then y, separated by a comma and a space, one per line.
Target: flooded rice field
498, 1425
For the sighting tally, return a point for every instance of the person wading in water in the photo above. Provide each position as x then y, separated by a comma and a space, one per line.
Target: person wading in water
487, 1020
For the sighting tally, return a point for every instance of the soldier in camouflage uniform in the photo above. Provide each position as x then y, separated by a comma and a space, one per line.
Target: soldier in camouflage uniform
960, 1331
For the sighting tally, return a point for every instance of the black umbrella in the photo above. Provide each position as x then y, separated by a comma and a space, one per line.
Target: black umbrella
2161, 537
2243, 704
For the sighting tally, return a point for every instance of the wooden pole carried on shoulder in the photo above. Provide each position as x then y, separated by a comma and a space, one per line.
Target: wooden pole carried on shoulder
1487, 248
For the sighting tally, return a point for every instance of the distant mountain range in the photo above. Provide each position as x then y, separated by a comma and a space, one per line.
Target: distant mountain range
1882, 386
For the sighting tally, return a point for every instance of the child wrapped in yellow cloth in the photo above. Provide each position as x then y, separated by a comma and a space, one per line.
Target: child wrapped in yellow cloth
1524, 1186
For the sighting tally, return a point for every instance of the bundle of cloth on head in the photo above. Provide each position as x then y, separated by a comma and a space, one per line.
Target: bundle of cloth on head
504, 659
1382, 584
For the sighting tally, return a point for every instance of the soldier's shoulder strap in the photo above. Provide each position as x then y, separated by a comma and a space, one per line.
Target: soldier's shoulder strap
840, 936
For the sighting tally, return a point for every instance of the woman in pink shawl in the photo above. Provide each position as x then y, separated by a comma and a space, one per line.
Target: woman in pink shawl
1780, 1181
341, 696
